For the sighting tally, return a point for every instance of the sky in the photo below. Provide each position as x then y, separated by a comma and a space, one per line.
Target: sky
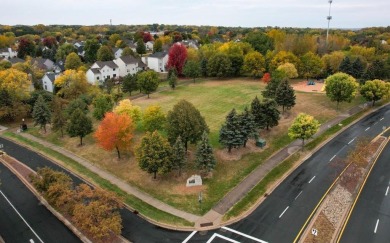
244, 13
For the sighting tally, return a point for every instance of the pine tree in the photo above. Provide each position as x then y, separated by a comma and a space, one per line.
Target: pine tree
276, 78
80, 125
270, 113
41, 113
141, 49
230, 134
357, 69
59, 119
247, 125
204, 154
285, 95
178, 155
172, 79
256, 112
346, 66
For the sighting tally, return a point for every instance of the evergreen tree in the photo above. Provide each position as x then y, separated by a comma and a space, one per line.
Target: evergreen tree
357, 69
41, 113
376, 70
346, 66
141, 49
230, 134
76, 104
247, 125
276, 78
129, 83
172, 79
285, 95
80, 125
178, 155
59, 119
204, 154
203, 67
256, 112
270, 113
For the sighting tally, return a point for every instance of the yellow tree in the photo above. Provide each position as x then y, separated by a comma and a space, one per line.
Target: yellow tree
304, 127
126, 107
72, 84
153, 118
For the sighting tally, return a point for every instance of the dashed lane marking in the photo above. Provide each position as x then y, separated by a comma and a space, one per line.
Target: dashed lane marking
189, 237
283, 212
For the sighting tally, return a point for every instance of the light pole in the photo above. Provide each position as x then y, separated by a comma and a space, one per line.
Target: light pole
328, 18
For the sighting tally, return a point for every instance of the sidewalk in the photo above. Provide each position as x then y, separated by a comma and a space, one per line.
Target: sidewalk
116, 181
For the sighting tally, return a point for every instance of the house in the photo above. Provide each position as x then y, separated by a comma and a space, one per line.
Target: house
48, 81
129, 65
59, 66
149, 45
101, 71
133, 47
117, 52
15, 60
8, 53
190, 44
156, 61
43, 63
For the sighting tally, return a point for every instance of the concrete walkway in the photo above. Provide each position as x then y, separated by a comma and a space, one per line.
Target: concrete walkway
116, 181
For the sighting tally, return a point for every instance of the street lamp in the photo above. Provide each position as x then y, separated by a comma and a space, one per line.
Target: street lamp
329, 17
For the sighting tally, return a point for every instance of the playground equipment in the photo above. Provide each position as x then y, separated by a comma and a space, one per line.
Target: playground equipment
311, 82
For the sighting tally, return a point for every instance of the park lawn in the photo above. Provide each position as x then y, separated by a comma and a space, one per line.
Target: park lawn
214, 99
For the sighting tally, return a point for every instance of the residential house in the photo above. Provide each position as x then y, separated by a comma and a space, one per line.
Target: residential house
101, 71
149, 45
48, 81
43, 63
59, 66
156, 61
8, 53
128, 65
190, 44
133, 47
15, 60
117, 52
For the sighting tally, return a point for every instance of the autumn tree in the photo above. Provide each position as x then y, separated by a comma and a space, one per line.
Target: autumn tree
304, 127
276, 78
341, 87
148, 82
157, 46
332, 61
72, 84
125, 107
230, 135
26, 47
266, 78
59, 118
102, 104
254, 64
192, 70
72, 61
80, 125
311, 65
91, 48
32, 69
105, 54
64, 50
289, 69
127, 51
141, 49
153, 118
177, 57
375, 90
154, 154
285, 95
115, 132
41, 113
204, 154
114, 38
260, 41
283, 57
78, 103
185, 120
219, 65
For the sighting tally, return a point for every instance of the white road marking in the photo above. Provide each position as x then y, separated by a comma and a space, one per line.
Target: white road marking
298, 195
381, 119
332, 158
375, 123
31, 241
21, 217
245, 235
387, 190
352, 140
312, 179
376, 226
189, 237
368, 128
284, 212
222, 237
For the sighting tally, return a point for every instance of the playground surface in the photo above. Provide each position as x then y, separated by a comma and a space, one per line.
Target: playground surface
317, 86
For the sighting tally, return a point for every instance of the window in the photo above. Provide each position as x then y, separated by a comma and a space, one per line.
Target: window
113, 69
108, 76
114, 75
97, 78
45, 87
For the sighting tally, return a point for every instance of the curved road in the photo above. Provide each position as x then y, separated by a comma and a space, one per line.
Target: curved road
279, 218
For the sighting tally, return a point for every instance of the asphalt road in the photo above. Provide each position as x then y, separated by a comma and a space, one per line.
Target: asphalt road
370, 218
282, 214
23, 219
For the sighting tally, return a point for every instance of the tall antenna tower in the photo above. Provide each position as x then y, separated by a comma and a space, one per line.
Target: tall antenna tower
329, 17
111, 23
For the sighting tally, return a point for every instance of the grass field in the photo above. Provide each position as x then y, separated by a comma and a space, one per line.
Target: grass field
214, 99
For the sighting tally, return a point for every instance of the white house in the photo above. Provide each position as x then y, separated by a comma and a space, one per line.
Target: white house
48, 81
117, 52
8, 53
101, 71
149, 45
156, 61
128, 65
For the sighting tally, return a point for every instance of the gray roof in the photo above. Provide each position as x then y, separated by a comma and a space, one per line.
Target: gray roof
141, 64
95, 70
15, 60
129, 59
5, 49
51, 76
110, 64
159, 54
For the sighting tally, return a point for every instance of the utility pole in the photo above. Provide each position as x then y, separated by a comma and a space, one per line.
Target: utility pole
328, 18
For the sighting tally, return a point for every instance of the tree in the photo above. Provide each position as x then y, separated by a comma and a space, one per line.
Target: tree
376, 70
219, 65
332, 61
185, 120
148, 81
346, 66
172, 78
375, 90
141, 49
153, 118
102, 104
266, 78
154, 154
49, 54
247, 125
177, 57
114, 38
256, 113
64, 50
289, 69
78, 103
41, 113
192, 70
157, 46
304, 127
204, 154
80, 125
105, 54
311, 65
127, 51
276, 78
72, 84
270, 114
32, 69
283, 57
178, 155
285, 95
72, 61
126, 107
115, 132
357, 69
26, 47
230, 134
341, 87
237, 61
91, 48
254, 64
59, 119
260, 41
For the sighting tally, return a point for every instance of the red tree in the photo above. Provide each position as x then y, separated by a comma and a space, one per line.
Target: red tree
147, 37
177, 58
266, 78
115, 131
49, 41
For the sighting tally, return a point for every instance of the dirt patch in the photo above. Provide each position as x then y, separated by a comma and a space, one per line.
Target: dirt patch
324, 229
237, 153
303, 86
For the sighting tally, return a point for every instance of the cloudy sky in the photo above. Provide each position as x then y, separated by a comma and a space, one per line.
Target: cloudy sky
245, 13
